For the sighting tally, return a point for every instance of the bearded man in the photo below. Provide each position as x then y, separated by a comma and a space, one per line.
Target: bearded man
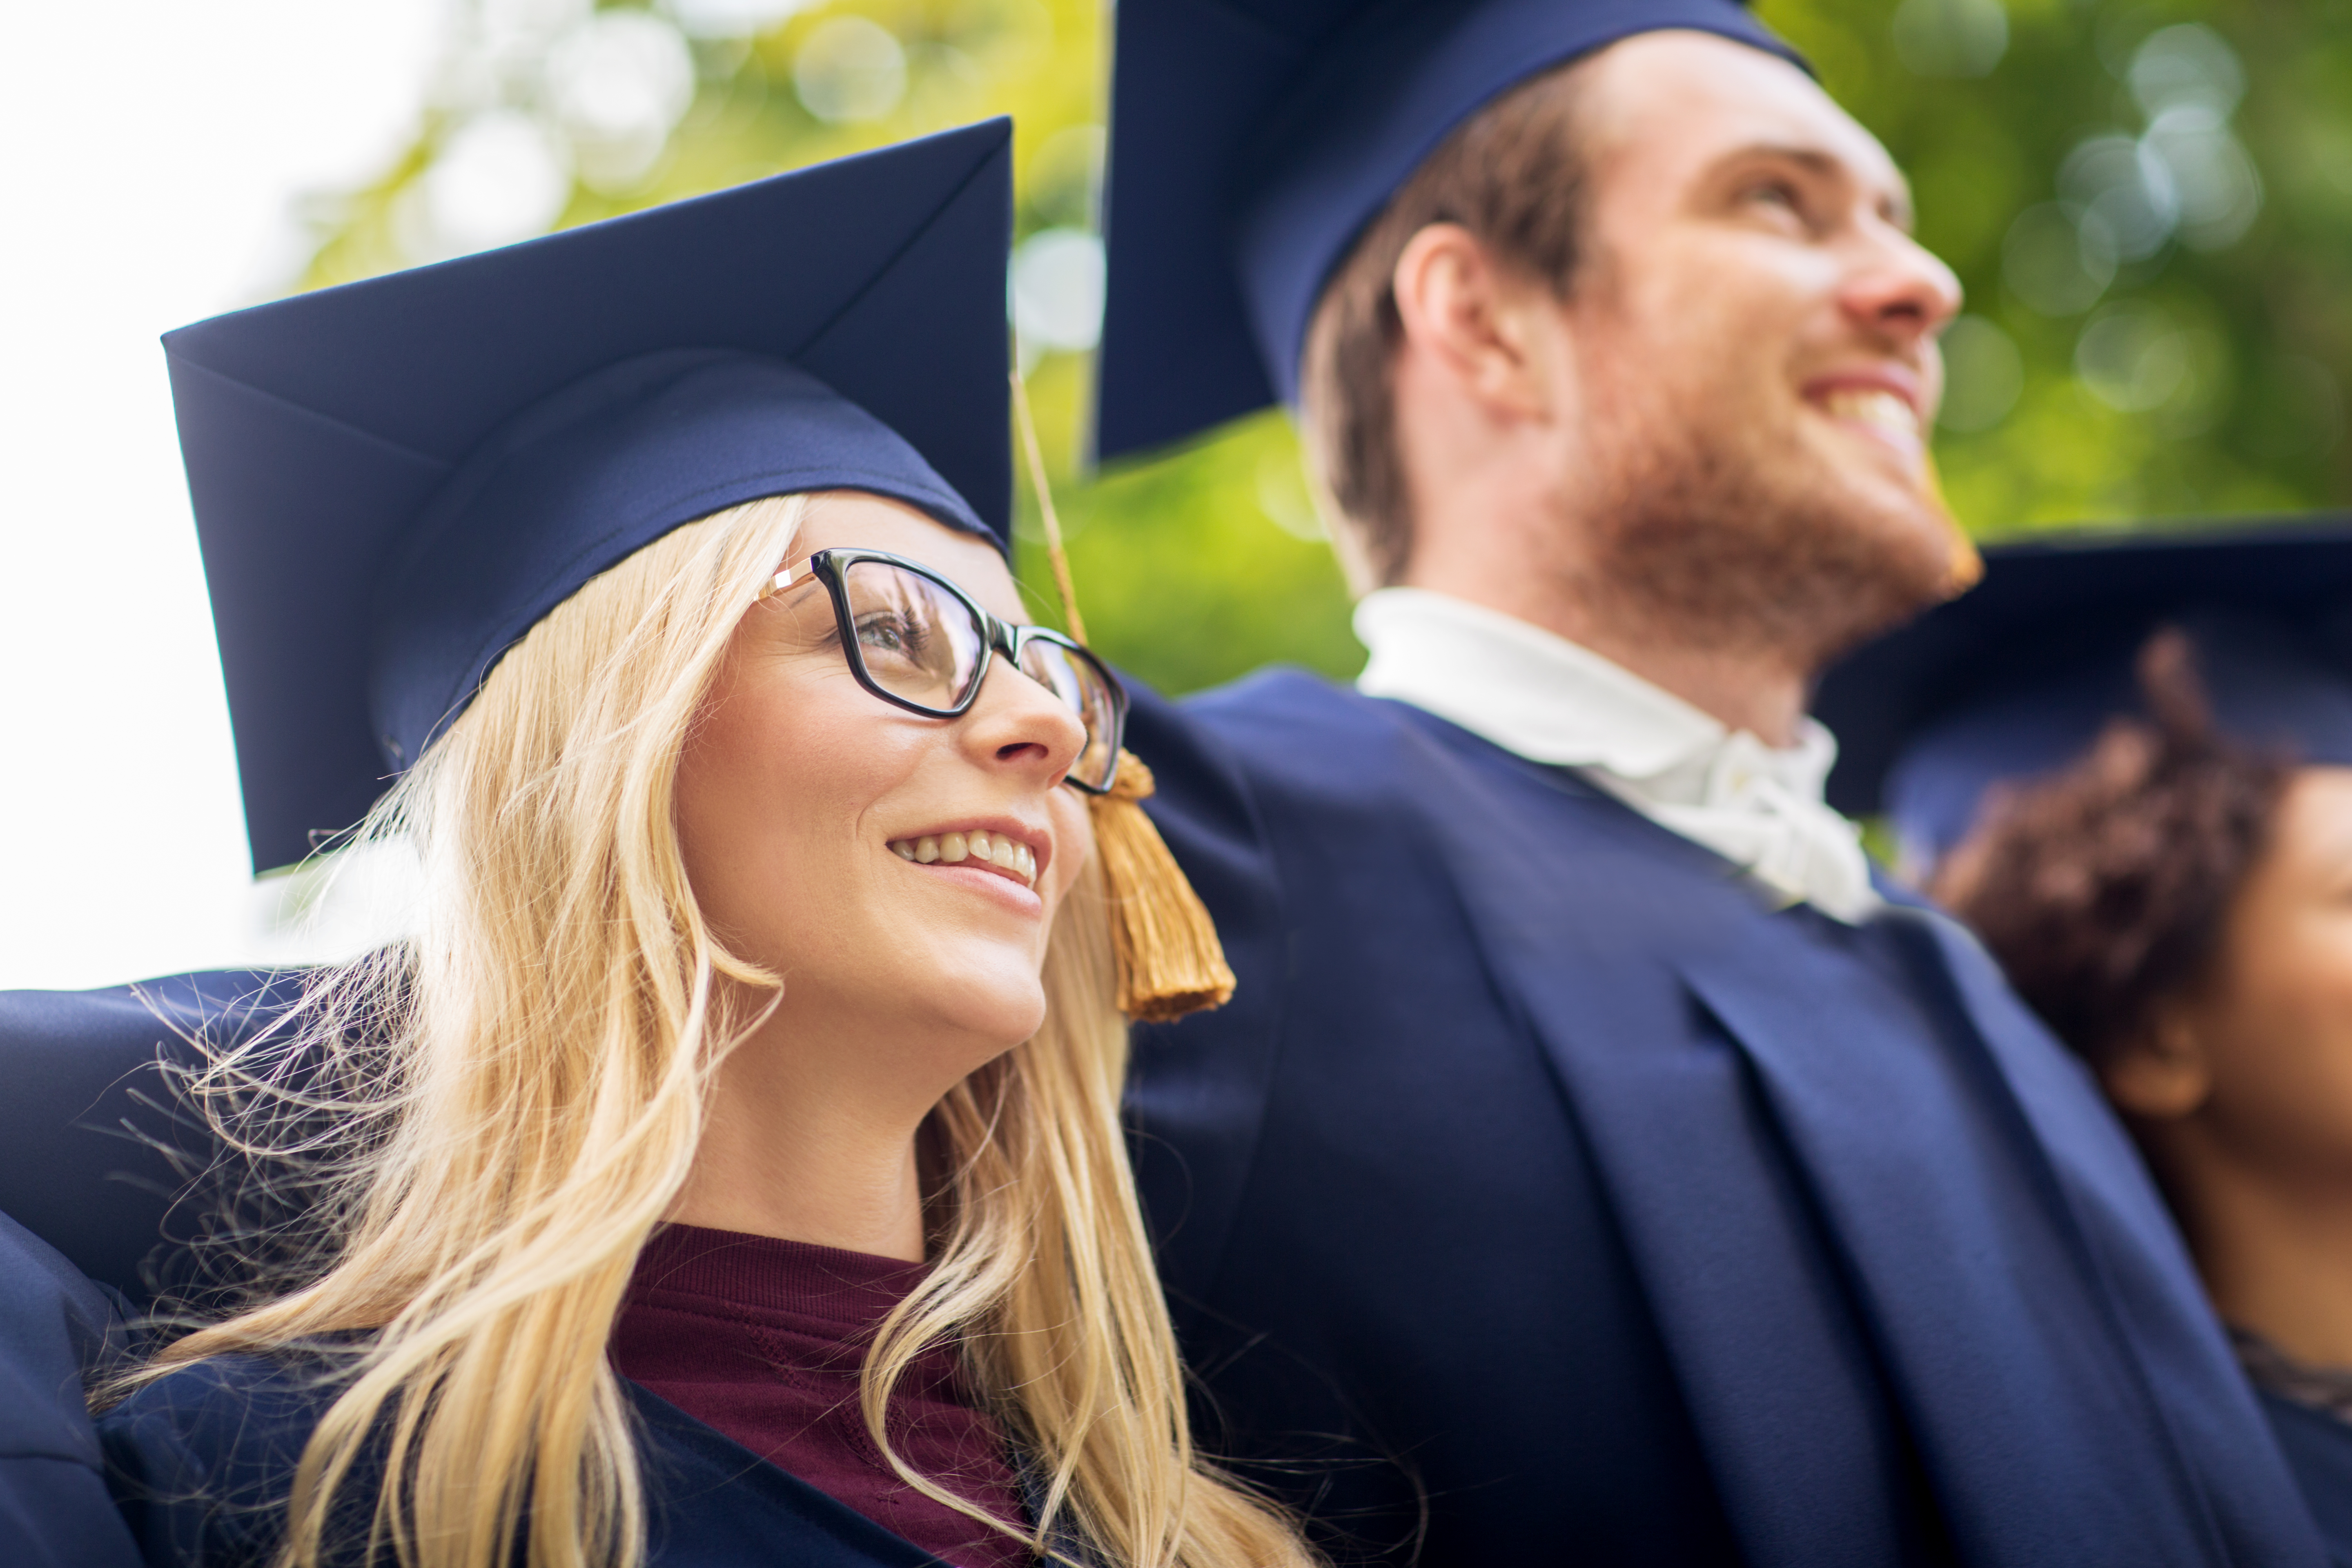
1595, 1162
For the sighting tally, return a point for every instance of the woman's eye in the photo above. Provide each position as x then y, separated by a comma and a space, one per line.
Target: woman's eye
1774, 193
892, 634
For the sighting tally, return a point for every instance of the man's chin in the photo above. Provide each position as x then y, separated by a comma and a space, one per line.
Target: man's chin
1870, 544
1908, 553
1799, 548
1917, 521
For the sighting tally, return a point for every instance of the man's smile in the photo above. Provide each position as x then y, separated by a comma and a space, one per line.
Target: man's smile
1880, 406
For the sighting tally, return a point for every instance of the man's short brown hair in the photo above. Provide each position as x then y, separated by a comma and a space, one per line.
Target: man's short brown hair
1513, 176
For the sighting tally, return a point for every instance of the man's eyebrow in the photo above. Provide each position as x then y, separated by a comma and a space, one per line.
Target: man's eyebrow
1821, 160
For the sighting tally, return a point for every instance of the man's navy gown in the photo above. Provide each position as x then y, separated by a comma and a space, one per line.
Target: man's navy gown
1544, 1195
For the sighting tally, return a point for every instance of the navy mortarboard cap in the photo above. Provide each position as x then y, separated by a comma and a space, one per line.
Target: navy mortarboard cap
2016, 679
395, 479
1252, 140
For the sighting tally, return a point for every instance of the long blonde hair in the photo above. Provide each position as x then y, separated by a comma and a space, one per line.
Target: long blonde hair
513, 1098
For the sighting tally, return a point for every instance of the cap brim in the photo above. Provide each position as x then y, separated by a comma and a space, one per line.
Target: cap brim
2046, 605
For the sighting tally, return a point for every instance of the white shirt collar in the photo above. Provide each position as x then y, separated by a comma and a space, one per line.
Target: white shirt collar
1549, 701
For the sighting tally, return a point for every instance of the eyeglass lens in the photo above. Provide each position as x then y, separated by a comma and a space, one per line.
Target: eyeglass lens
922, 644
917, 640
1077, 682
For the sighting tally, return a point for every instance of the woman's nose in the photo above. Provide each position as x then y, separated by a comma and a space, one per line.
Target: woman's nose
1017, 721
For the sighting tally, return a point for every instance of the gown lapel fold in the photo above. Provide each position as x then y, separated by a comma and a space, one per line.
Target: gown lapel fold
2130, 1250
1999, 1336
1850, 1174
1784, 1403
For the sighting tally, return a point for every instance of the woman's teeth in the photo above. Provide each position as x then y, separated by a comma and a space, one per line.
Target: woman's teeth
954, 848
1879, 410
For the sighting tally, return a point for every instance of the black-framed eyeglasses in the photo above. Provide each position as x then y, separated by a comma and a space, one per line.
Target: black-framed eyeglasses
919, 642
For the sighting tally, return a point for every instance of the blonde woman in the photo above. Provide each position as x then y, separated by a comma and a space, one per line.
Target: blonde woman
728, 1169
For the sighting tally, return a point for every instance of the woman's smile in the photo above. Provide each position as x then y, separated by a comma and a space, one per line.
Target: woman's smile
1006, 850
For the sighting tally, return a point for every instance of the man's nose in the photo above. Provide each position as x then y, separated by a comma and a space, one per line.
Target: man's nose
1901, 288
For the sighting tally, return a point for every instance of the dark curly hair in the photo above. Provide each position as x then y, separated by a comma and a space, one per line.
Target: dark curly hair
2103, 890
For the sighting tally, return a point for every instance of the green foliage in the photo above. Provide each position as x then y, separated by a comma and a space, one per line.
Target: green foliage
2197, 381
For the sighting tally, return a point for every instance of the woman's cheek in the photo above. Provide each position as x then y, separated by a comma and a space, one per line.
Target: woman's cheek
1074, 842
2291, 1039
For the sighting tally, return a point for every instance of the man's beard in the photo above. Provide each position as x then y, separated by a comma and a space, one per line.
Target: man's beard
1699, 534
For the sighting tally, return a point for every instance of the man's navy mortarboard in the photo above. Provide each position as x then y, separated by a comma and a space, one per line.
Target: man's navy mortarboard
2017, 679
1253, 140
393, 480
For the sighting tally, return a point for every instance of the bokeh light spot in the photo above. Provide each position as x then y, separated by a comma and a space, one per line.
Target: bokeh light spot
618, 84
1983, 374
2128, 187
849, 68
1057, 291
2058, 258
2132, 358
731, 18
504, 176
2218, 192
2187, 66
1950, 37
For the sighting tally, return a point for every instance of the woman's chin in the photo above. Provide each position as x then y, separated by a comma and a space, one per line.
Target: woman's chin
995, 1004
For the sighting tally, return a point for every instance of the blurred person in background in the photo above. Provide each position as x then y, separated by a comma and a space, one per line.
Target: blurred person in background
2158, 847
728, 1167
1595, 1160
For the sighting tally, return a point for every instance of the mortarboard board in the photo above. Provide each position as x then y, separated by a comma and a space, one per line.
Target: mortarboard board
394, 480
2016, 678
1253, 140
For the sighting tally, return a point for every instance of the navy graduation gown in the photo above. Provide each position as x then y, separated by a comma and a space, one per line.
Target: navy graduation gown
91, 1154
54, 1510
99, 1154
98, 1147
203, 1460
2318, 1446
1543, 1192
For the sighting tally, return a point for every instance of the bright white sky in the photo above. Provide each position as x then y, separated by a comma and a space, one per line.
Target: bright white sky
153, 147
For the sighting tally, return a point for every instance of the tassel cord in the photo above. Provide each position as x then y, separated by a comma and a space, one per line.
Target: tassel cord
1169, 962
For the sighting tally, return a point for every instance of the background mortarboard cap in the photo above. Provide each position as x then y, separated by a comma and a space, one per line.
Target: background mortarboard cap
2015, 679
1253, 140
841, 325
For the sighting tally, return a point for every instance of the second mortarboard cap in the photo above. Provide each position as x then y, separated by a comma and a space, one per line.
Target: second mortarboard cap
395, 479
1251, 143
2016, 679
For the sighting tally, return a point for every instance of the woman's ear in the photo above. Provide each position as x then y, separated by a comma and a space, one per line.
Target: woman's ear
1468, 316
2164, 1073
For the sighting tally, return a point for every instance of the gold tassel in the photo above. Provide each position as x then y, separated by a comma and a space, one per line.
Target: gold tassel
1169, 960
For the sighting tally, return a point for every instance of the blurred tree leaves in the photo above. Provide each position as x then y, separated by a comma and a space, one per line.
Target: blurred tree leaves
2149, 202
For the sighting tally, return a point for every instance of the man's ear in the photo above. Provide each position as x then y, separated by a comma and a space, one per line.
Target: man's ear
1472, 320
2164, 1073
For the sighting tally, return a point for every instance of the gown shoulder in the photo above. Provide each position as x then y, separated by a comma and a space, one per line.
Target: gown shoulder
202, 1461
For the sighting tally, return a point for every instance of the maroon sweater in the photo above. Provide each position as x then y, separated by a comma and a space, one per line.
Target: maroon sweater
763, 1340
